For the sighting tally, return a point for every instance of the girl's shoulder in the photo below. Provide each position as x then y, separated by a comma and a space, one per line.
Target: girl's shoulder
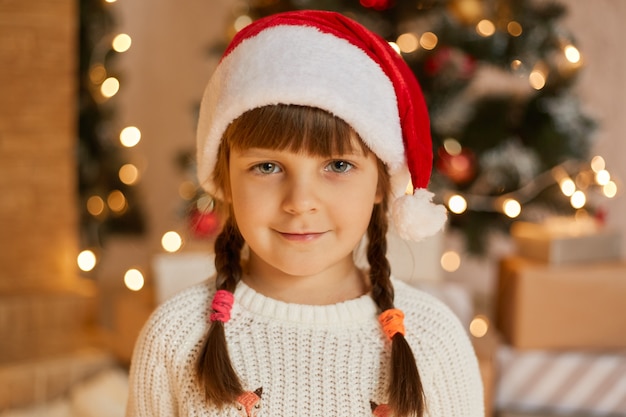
431, 307
183, 313
416, 295
188, 300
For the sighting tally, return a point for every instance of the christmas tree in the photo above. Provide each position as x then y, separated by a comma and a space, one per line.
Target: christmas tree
107, 200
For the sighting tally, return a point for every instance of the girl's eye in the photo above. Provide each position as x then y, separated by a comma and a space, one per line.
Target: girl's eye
267, 168
340, 166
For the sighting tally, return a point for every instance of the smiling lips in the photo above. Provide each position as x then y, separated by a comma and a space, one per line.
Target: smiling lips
301, 237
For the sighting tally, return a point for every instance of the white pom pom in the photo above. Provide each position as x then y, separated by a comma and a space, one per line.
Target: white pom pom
416, 217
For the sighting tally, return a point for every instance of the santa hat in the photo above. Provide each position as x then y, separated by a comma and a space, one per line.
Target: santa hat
323, 59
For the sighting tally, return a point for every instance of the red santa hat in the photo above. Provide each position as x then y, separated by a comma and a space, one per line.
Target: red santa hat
326, 60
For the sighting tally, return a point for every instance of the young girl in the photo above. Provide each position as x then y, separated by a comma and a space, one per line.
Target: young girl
310, 129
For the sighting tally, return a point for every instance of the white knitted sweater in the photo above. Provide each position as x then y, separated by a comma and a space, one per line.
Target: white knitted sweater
298, 360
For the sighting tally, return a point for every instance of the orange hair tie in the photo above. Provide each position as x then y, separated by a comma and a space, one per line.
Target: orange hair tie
392, 321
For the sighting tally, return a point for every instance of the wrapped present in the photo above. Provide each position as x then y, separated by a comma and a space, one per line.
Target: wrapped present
486, 348
561, 383
541, 306
564, 240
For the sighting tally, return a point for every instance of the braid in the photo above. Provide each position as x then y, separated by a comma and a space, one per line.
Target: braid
214, 368
406, 394
228, 247
380, 270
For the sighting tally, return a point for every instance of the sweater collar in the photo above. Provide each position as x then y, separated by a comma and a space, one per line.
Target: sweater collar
356, 310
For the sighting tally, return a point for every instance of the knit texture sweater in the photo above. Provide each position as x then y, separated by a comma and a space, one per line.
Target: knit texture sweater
302, 360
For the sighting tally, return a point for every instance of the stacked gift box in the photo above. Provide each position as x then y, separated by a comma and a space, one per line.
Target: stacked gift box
561, 312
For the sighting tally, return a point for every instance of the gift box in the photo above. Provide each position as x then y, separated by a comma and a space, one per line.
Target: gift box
561, 241
564, 383
486, 348
559, 307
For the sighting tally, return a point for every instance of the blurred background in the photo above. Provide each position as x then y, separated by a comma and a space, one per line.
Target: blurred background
101, 218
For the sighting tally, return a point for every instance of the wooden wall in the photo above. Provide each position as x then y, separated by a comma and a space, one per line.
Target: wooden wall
44, 304
38, 226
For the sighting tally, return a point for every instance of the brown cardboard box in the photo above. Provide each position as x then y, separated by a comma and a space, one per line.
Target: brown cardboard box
565, 243
541, 306
486, 349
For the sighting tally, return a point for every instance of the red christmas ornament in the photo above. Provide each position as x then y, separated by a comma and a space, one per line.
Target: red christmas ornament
203, 224
460, 168
376, 4
600, 215
451, 62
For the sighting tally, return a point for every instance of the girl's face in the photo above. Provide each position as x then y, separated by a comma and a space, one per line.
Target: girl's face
302, 215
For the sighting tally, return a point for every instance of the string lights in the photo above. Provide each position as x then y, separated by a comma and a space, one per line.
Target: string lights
103, 86
511, 203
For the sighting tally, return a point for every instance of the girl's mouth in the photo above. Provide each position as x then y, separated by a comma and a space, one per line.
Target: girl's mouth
301, 237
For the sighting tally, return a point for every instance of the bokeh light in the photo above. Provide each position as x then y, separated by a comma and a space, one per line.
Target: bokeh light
95, 205
121, 43
485, 28
610, 189
110, 87
457, 204
133, 279
130, 136
597, 163
567, 186
428, 41
578, 199
241, 22
537, 79
129, 174
603, 177
97, 73
514, 28
450, 261
408, 42
117, 201
86, 260
171, 241
572, 54
511, 207
452, 146
479, 326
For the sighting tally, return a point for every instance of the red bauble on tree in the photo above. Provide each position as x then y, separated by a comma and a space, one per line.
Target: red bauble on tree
376, 4
204, 224
451, 63
459, 165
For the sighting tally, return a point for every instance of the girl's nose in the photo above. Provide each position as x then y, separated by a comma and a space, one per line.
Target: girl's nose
301, 195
